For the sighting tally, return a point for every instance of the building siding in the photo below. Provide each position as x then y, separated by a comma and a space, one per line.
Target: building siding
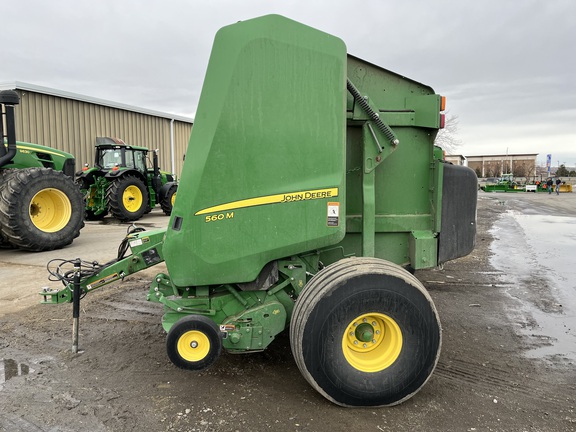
72, 125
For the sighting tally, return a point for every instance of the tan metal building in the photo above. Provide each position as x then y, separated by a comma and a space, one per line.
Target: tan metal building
71, 122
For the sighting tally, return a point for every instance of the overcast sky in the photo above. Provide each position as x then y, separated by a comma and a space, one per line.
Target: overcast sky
507, 67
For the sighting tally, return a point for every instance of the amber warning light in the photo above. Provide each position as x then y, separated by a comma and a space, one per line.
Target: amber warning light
442, 108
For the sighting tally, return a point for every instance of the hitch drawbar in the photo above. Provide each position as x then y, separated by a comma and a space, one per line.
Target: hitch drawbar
146, 248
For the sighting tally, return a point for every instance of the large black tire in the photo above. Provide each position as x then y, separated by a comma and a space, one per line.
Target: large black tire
40, 209
4, 176
194, 342
167, 202
364, 332
127, 198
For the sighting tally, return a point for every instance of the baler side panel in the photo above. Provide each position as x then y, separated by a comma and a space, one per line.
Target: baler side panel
407, 181
266, 154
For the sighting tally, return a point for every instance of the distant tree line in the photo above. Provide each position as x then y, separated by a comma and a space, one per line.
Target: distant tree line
562, 171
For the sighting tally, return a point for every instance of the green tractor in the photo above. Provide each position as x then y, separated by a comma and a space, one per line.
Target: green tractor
122, 184
40, 206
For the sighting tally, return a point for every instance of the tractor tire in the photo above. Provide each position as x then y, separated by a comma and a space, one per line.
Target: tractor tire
194, 343
40, 209
127, 198
4, 177
364, 332
167, 202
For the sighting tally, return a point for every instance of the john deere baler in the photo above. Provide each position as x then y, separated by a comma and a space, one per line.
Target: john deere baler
314, 193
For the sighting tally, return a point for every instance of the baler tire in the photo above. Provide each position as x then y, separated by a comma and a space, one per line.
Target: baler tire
40, 209
120, 195
364, 332
167, 202
194, 343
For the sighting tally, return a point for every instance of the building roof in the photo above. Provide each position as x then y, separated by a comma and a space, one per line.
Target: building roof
504, 155
19, 85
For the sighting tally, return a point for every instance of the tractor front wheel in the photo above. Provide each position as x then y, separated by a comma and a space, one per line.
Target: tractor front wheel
194, 342
127, 198
364, 332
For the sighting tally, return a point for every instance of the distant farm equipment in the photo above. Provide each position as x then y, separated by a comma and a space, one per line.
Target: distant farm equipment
40, 206
507, 183
124, 183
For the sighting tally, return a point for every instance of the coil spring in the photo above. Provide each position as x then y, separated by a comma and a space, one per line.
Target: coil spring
371, 113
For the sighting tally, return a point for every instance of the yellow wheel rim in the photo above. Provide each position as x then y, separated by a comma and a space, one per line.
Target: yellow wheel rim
372, 342
173, 199
193, 346
50, 210
132, 198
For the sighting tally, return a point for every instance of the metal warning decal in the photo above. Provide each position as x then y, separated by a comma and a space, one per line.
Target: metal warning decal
333, 214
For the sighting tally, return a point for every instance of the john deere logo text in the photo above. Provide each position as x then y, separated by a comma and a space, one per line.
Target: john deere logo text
301, 196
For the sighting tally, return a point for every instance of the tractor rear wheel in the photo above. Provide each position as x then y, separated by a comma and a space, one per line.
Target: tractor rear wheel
364, 332
40, 209
127, 198
194, 342
167, 202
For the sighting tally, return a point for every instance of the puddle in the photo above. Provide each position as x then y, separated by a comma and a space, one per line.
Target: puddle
536, 254
10, 368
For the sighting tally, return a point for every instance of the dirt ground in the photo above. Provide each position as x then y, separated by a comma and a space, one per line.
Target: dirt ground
123, 380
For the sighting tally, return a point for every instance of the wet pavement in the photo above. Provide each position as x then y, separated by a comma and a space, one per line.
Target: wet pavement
503, 368
10, 368
536, 250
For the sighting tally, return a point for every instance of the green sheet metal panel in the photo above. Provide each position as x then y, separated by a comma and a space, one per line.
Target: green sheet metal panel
266, 159
408, 181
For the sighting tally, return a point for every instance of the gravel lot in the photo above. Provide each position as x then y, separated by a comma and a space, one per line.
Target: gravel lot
123, 381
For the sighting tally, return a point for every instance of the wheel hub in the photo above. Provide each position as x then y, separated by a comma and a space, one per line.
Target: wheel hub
193, 345
50, 210
132, 198
365, 332
372, 342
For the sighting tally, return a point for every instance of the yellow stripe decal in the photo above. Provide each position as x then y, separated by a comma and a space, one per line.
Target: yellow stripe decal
38, 150
272, 199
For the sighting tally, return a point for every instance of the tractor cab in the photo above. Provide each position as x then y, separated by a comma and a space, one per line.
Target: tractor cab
113, 153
